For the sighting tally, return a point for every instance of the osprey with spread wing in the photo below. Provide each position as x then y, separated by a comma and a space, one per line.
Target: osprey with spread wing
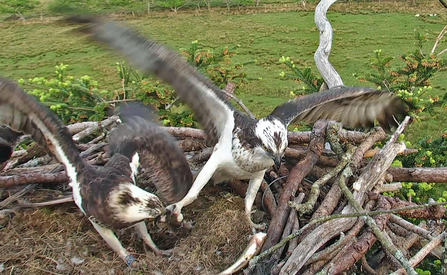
107, 195
243, 147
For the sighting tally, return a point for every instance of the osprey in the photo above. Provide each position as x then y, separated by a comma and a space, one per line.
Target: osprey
107, 195
243, 147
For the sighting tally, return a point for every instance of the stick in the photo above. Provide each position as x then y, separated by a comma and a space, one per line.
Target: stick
416, 259
295, 177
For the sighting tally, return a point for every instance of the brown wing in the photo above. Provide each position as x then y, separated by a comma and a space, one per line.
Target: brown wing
158, 153
23, 113
355, 107
209, 104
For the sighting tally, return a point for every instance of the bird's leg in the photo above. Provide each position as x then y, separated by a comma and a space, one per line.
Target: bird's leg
202, 179
142, 230
115, 244
252, 190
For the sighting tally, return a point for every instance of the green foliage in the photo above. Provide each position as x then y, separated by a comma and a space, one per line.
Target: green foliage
17, 6
72, 99
429, 267
154, 93
417, 70
217, 65
432, 152
79, 99
311, 82
410, 81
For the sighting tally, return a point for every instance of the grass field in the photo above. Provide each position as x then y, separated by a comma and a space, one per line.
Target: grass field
34, 48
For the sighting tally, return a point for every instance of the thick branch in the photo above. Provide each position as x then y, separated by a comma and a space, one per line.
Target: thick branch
295, 177
328, 72
96, 127
438, 175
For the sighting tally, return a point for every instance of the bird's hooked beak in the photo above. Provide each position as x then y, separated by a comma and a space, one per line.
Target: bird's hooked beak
277, 160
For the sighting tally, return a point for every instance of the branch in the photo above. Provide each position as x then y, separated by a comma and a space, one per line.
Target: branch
441, 34
416, 259
94, 128
295, 177
381, 236
272, 249
381, 162
438, 175
328, 72
315, 191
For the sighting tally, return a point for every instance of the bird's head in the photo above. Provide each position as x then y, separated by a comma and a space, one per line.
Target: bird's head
273, 136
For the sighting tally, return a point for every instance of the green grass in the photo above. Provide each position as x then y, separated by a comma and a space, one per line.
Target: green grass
34, 49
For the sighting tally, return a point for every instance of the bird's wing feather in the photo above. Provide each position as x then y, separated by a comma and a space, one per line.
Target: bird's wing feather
23, 113
353, 106
210, 105
159, 154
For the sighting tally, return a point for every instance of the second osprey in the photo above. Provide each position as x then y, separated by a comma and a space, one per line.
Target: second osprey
243, 147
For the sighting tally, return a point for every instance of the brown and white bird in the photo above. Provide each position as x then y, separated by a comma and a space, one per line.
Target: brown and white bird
107, 195
243, 147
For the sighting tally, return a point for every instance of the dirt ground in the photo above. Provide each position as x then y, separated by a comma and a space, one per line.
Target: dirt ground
60, 240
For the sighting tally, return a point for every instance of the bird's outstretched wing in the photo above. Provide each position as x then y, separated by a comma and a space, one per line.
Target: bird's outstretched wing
163, 161
208, 102
23, 113
355, 107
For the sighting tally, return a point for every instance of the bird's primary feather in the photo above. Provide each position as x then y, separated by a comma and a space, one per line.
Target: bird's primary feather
208, 102
355, 107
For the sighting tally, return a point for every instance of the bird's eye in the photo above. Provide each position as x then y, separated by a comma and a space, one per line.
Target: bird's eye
265, 147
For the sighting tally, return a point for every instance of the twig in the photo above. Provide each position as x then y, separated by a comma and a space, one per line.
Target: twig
94, 128
16, 195
367, 267
354, 252
238, 101
272, 249
444, 258
315, 191
65, 199
440, 36
169, 106
416, 259
386, 243
411, 227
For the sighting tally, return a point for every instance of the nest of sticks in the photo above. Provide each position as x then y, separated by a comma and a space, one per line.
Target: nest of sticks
325, 209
